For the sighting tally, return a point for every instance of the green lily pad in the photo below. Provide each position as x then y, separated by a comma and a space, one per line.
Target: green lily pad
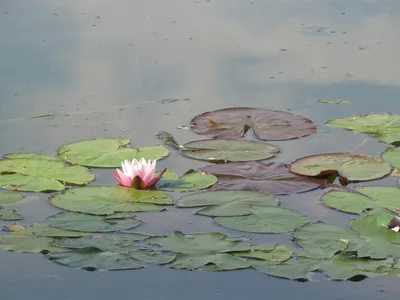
107, 152
190, 181
333, 101
384, 126
266, 124
107, 200
299, 269
206, 251
9, 214
27, 243
259, 177
270, 252
350, 166
392, 156
321, 240
38, 175
227, 203
228, 150
131, 244
32, 156
339, 267
374, 197
95, 259
44, 230
7, 197
119, 242
265, 220
370, 237
91, 223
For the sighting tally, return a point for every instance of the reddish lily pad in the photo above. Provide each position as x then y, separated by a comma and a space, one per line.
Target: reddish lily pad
259, 177
266, 124
350, 166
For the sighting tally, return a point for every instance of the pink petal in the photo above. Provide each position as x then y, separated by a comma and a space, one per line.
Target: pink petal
117, 178
155, 180
124, 179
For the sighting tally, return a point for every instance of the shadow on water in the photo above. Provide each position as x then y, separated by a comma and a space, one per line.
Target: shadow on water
102, 68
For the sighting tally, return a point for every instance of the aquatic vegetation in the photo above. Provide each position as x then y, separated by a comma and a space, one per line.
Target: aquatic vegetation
239, 192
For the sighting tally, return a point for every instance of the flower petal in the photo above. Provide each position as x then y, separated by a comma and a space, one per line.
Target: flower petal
155, 180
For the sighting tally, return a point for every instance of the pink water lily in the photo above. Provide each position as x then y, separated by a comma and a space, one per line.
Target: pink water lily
138, 174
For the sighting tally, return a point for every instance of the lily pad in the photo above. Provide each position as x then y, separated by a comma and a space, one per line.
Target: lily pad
266, 124
38, 175
28, 243
91, 223
206, 251
131, 244
107, 152
32, 156
270, 252
369, 238
392, 156
228, 150
44, 230
107, 200
339, 267
119, 242
384, 126
190, 181
350, 166
259, 177
333, 101
7, 197
265, 220
227, 203
375, 197
9, 214
95, 259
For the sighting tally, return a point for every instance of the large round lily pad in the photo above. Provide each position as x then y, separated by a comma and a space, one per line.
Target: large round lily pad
226, 150
371, 197
91, 223
392, 156
95, 259
384, 126
227, 203
259, 177
107, 200
9, 214
266, 124
107, 152
190, 181
38, 174
265, 220
350, 166
206, 251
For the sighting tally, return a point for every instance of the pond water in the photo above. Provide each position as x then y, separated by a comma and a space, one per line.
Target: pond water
115, 69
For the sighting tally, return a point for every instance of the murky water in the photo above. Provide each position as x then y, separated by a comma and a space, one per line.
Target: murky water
103, 67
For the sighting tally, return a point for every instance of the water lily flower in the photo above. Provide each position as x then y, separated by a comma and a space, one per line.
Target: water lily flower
138, 174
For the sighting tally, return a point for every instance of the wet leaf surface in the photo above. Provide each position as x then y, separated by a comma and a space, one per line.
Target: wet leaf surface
266, 124
392, 156
368, 198
7, 197
38, 174
384, 126
265, 220
227, 203
206, 251
107, 152
350, 166
259, 177
91, 223
107, 200
228, 150
190, 181
9, 214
